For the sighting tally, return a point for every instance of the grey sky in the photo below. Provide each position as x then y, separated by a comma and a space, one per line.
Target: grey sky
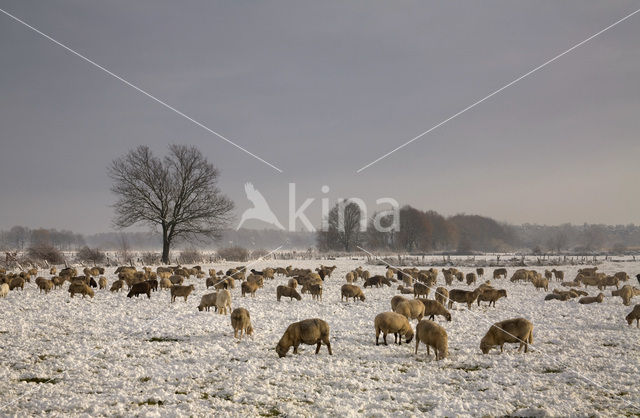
321, 89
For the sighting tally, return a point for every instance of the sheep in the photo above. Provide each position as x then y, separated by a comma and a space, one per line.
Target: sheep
396, 300
349, 277
448, 278
555, 296
250, 288
500, 273
287, 291
609, 281
116, 286
102, 281
591, 271
622, 276
80, 288
392, 322
142, 288
459, 276
351, 291
153, 283
365, 275
471, 278
634, 314
433, 308
373, 281
625, 292
548, 274
432, 335
308, 331
571, 284
223, 301
573, 293
589, 281
45, 285
463, 296
207, 301
420, 289
638, 277
559, 275
241, 321
178, 290
4, 290
407, 279
389, 273
16, 282
405, 290
591, 299
491, 296
441, 295
480, 272
540, 283
412, 309
517, 330
53, 271
58, 281
292, 283
519, 275
176, 280
316, 291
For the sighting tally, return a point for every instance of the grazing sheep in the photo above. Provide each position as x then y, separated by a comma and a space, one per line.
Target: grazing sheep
571, 284
153, 283
412, 309
165, 283
4, 290
207, 301
433, 308
241, 321
517, 330
471, 278
625, 293
308, 331
58, 281
176, 279
373, 281
448, 278
405, 290
491, 296
116, 286
259, 280
540, 283
80, 288
591, 271
500, 273
142, 288
592, 299
420, 289
392, 322
396, 300
292, 283
432, 335
634, 314
178, 290
102, 281
351, 291
589, 281
555, 296
622, 276
16, 282
609, 281
463, 296
316, 291
45, 285
250, 288
559, 275
441, 295
287, 291
223, 301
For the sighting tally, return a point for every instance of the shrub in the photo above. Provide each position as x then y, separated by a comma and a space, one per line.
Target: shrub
90, 255
255, 254
45, 252
150, 258
190, 256
234, 253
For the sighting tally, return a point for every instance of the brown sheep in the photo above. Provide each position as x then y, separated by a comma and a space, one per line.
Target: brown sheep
591, 271
571, 284
351, 291
622, 276
250, 288
45, 285
16, 282
491, 296
471, 278
102, 281
448, 278
396, 300
207, 301
308, 331
116, 286
177, 290
548, 275
480, 272
592, 299
391, 322
349, 277
142, 288
373, 281
412, 309
420, 289
287, 291
80, 288
241, 322
517, 330
559, 275
463, 296
433, 308
292, 283
176, 280
432, 335
609, 281
441, 295
626, 293
556, 296
53, 271
500, 273
316, 291
634, 314
540, 283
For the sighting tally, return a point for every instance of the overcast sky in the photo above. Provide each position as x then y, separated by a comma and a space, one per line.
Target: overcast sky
320, 89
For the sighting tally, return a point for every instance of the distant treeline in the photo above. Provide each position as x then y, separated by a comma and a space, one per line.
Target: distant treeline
419, 232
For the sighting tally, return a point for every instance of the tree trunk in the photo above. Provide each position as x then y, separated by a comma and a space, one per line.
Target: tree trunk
165, 245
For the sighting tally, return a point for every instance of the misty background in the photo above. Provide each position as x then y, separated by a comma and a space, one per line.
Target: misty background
320, 89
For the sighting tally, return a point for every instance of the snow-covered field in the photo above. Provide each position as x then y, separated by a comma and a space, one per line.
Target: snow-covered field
112, 355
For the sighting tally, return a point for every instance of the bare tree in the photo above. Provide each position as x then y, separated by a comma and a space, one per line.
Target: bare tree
124, 248
343, 232
178, 194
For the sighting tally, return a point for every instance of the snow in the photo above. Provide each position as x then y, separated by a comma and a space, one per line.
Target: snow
112, 355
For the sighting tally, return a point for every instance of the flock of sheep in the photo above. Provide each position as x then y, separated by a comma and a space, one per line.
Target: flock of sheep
315, 331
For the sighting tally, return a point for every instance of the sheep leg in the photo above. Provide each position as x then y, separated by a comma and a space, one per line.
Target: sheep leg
318, 347
417, 343
295, 349
384, 338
